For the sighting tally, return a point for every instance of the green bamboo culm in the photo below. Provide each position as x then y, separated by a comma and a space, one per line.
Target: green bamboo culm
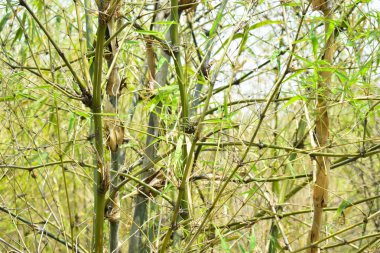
175, 40
100, 174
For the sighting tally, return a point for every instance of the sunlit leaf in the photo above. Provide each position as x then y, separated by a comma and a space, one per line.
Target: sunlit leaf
342, 206
224, 243
218, 18
252, 240
4, 21
264, 23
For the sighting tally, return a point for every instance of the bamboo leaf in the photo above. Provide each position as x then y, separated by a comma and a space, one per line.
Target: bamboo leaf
244, 40
71, 123
252, 240
241, 248
294, 99
178, 151
341, 75
147, 32
17, 36
264, 23
218, 18
343, 205
164, 22
308, 62
224, 243
82, 114
314, 42
4, 21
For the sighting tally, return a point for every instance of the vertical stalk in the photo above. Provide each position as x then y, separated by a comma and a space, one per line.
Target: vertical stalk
274, 230
100, 174
174, 36
139, 218
49, 47
189, 160
136, 243
89, 33
321, 180
82, 45
87, 6
114, 214
115, 134
60, 153
175, 40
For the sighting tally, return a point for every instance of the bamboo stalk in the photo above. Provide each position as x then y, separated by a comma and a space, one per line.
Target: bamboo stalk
175, 41
84, 66
322, 170
115, 136
188, 163
60, 154
138, 230
101, 173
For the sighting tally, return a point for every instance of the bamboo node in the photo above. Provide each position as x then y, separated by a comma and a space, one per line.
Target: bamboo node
112, 212
86, 98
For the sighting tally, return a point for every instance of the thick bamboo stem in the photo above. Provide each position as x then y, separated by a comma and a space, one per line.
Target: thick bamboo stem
100, 174
115, 134
321, 180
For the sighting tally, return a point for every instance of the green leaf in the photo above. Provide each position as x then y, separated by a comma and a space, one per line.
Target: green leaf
7, 98
294, 99
167, 89
275, 57
341, 75
26, 95
291, 169
300, 40
244, 40
314, 42
264, 23
71, 123
308, 62
160, 63
147, 32
82, 114
164, 23
131, 42
241, 248
252, 240
178, 152
274, 244
39, 103
218, 18
17, 36
4, 21
343, 205
223, 241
